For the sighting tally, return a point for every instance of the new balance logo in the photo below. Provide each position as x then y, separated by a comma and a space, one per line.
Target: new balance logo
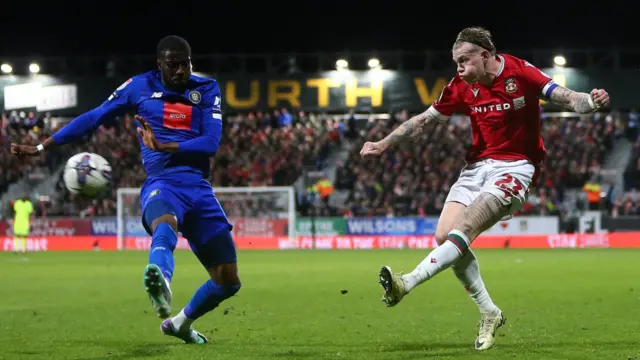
156, 95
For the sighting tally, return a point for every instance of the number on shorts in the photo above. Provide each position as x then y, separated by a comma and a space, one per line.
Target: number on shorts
509, 185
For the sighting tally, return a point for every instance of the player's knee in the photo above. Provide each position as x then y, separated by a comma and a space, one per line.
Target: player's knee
441, 236
485, 211
225, 274
168, 219
158, 212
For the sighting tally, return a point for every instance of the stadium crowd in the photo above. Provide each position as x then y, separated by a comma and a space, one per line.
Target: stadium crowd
629, 202
265, 149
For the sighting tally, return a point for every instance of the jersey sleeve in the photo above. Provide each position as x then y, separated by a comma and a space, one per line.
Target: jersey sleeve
447, 103
540, 81
121, 100
124, 96
213, 106
211, 130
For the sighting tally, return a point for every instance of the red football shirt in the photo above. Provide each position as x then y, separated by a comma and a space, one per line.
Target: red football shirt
505, 117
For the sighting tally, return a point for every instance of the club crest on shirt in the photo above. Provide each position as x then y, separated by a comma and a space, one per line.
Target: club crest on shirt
510, 85
195, 97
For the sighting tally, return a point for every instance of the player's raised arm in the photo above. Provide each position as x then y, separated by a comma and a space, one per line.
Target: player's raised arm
579, 102
119, 102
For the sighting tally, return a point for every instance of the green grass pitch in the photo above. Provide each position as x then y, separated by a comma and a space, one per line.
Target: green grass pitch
560, 304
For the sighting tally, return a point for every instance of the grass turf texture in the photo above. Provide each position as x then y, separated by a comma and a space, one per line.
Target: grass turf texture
560, 304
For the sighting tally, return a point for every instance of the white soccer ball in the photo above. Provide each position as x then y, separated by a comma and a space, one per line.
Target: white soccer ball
87, 174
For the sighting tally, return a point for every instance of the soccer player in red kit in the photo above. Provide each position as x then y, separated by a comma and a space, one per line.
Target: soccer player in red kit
500, 93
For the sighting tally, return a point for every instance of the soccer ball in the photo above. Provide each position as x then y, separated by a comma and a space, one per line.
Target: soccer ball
87, 174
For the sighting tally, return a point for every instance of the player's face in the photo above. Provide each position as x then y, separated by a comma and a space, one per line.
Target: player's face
175, 68
470, 62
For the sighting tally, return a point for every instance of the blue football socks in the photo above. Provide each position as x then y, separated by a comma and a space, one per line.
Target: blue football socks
207, 298
163, 243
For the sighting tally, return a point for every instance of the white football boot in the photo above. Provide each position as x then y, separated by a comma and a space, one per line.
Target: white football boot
393, 285
489, 324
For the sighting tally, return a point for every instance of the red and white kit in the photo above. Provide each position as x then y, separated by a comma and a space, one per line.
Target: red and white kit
507, 148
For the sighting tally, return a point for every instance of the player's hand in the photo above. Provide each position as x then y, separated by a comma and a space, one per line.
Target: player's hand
24, 150
600, 97
146, 133
371, 149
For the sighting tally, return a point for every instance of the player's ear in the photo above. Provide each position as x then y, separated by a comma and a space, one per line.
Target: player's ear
485, 56
159, 64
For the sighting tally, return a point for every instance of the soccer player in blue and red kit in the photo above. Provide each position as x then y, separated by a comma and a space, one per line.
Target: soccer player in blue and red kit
179, 125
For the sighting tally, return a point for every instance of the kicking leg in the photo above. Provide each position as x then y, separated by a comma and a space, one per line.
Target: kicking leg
462, 193
454, 252
218, 255
481, 214
466, 268
159, 271
397, 286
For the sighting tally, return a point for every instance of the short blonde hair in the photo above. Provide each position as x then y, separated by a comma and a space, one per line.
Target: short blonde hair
477, 36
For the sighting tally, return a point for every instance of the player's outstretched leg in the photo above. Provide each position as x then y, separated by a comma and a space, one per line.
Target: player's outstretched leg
159, 271
218, 255
397, 286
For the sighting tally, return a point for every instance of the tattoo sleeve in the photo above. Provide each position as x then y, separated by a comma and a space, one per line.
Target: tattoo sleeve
481, 214
576, 101
411, 128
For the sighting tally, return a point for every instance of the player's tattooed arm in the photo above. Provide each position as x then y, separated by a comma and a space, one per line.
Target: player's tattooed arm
409, 129
579, 102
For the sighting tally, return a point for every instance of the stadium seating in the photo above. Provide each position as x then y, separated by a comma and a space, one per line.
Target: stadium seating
410, 180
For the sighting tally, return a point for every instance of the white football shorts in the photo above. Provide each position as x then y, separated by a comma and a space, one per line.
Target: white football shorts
509, 181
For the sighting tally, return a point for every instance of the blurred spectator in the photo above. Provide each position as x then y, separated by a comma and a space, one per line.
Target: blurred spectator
272, 148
